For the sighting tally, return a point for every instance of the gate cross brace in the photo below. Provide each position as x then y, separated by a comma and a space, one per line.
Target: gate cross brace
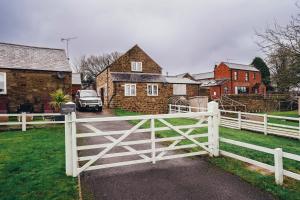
107, 149
112, 139
184, 135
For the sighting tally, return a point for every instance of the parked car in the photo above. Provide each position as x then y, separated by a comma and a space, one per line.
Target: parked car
86, 99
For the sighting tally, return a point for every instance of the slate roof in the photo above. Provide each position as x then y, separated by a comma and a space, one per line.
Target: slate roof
179, 80
76, 79
209, 83
14, 56
148, 78
206, 75
240, 66
137, 77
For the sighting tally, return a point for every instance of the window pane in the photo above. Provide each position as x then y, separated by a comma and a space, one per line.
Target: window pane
2, 89
132, 90
155, 90
127, 90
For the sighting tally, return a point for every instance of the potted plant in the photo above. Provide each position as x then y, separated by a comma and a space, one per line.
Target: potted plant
58, 97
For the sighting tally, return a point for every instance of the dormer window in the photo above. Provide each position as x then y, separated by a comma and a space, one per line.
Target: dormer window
136, 66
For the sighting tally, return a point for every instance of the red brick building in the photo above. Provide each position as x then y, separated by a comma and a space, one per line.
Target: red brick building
231, 78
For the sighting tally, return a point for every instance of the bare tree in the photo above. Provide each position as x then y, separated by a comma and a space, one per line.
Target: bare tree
91, 66
281, 44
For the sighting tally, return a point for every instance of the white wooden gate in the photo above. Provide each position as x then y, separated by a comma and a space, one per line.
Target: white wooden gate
201, 134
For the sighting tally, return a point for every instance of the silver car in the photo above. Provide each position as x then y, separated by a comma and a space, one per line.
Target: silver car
86, 99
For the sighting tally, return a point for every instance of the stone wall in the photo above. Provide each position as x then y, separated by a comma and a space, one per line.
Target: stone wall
123, 64
33, 87
141, 102
101, 83
259, 103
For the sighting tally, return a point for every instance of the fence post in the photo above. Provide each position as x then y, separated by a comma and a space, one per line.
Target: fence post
68, 144
23, 121
278, 166
179, 108
265, 124
240, 120
152, 127
190, 109
213, 128
170, 108
74, 145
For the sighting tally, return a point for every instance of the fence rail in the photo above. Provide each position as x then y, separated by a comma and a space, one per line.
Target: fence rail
251, 121
22, 119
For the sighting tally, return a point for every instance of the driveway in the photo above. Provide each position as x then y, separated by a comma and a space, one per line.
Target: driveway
177, 179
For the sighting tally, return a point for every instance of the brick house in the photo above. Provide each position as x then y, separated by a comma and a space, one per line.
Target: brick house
135, 82
76, 83
29, 74
231, 78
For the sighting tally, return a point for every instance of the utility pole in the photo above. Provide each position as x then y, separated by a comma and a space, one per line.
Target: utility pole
67, 44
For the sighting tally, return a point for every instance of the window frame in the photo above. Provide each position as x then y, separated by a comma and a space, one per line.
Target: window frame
246, 76
130, 93
134, 66
254, 75
235, 75
152, 89
4, 83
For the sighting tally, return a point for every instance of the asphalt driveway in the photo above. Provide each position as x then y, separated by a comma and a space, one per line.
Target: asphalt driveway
177, 179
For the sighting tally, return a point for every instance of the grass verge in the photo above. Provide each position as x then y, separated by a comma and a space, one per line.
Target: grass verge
291, 188
32, 165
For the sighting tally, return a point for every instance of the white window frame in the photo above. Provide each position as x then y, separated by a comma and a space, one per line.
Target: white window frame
235, 75
130, 94
152, 89
247, 76
136, 66
4, 78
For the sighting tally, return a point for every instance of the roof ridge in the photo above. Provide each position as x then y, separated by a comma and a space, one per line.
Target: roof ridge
30, 46
237, 63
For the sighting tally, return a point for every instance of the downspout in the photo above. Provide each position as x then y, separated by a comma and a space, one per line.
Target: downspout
107, 88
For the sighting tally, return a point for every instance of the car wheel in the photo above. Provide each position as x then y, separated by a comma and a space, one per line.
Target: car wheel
100, 109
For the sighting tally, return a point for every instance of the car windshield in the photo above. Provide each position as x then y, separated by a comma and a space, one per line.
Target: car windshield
88, 93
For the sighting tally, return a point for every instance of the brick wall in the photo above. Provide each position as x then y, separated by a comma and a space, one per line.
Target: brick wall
123, 64
33, 86
101, 83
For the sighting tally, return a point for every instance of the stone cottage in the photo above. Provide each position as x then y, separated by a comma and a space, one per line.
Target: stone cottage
29, 74
135, 82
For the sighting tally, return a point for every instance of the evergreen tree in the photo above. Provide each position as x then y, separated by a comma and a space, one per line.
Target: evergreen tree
260, 64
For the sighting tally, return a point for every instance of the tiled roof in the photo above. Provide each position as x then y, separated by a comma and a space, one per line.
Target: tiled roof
206, 75
76, 79
14, 56
240, 66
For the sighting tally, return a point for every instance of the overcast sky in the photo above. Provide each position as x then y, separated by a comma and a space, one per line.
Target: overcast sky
181, 35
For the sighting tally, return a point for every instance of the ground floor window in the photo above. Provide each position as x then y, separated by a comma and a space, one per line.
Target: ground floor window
179, 89
152, 89
241, 90
130, 90
2, 83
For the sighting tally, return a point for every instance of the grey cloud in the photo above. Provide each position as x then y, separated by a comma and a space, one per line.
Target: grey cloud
180, 35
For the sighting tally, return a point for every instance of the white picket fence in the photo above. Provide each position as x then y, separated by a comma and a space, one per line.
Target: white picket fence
241, 123
250, 121
22, 119
151, 151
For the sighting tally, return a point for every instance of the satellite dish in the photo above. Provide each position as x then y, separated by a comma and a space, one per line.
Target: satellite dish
60, 75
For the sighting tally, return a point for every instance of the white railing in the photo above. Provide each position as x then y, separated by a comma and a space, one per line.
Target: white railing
21, 119
82, 157
250, 121
278, 154
261, 123
239, 123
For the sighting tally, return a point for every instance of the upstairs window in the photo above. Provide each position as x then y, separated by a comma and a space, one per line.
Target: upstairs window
152, 90
235, 76
254, 75
2, 83
136, 66
130, 90
247, 76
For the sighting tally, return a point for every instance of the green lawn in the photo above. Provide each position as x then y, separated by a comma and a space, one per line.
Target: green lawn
32, 166
293, 113
291, 188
